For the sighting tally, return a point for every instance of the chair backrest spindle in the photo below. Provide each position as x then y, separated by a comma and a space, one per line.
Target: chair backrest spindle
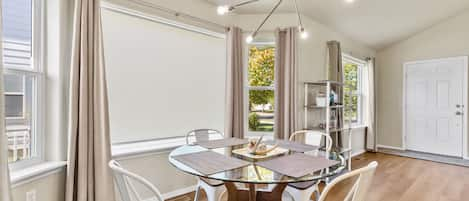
126, 188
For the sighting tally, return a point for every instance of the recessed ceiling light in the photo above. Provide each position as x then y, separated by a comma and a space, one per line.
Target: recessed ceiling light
349, 1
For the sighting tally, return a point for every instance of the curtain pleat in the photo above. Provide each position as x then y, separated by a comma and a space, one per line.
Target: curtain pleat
285, 83
371, 140
88, 175
336, 74
234, 100
5, 188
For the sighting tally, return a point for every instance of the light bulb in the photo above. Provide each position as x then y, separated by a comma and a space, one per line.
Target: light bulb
221, 10
249, 39
304, 34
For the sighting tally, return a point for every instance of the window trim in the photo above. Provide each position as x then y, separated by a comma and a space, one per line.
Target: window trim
247, 88
361, 64
37, 73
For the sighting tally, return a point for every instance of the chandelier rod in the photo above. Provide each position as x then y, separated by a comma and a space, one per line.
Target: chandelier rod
266, 18
244, 3
299, 16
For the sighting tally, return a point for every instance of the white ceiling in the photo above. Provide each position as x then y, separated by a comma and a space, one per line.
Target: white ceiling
377, 23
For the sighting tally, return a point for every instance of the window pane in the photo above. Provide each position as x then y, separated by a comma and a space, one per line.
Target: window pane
20, 117
261, 110
350, 77
13, 105
352, 112
13, 83
261, 66
17, 33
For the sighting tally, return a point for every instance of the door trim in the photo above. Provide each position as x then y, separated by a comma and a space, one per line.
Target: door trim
465, 138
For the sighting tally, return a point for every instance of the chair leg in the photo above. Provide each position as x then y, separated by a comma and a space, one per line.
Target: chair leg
197, 191
214, 193
316, 194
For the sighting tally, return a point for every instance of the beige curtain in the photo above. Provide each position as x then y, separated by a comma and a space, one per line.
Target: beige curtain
285, 83
336, 74
88, 175
5, 191
371, 138
234, 101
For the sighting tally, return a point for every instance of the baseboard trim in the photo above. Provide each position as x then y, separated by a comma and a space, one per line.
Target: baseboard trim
359, 152
390, 147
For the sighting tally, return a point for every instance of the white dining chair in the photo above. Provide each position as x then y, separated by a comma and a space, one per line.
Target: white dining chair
361, 186
127, 191
213, 188
302, 191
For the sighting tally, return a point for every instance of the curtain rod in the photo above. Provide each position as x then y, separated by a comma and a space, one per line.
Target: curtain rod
178, 14
161, 20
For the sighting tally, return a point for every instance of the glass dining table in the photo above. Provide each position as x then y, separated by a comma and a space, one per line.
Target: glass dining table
252, 174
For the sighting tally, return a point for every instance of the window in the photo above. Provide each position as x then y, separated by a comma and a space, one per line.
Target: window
260, 89
353, 89
22, 80
174, 77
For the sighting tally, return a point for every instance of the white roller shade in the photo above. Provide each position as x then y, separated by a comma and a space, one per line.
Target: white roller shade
163, 80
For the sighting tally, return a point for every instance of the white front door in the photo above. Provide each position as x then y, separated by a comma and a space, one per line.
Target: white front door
435, 104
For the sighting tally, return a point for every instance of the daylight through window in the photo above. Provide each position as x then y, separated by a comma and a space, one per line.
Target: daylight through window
261, 88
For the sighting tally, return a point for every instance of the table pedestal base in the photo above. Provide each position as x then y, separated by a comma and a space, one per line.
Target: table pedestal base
235, 194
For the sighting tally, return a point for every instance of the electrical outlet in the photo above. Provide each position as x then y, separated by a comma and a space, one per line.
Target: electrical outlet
31, 195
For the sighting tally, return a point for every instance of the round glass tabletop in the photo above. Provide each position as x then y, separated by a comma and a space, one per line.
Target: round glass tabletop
251, 173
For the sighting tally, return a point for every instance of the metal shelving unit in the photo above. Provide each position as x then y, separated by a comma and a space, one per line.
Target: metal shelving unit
328, 119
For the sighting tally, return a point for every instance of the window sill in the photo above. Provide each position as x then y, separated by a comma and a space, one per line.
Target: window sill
22, 176
138, 148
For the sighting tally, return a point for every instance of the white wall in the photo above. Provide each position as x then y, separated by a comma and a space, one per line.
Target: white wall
48, 188
446, 39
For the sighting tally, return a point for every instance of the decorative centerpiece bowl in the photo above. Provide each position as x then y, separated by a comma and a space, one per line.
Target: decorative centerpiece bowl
256, 147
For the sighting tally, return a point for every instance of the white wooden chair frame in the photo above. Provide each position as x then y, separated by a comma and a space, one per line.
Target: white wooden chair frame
305, 194
126, 188
213, 191
361, 186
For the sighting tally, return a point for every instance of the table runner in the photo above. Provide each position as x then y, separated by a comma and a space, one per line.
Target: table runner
293, 146
213, 144
209, 162
297, 165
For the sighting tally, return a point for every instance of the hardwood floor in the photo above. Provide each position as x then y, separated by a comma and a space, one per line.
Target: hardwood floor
404, 179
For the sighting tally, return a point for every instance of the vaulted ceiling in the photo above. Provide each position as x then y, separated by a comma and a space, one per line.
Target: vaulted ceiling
376, 23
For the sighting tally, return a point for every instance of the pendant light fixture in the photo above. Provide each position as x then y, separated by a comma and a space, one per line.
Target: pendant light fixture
224, 9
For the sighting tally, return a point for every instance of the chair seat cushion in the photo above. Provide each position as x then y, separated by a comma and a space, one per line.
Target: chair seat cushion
211, 182
303, 185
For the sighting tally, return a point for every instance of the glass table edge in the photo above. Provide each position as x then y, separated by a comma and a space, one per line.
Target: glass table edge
333, 173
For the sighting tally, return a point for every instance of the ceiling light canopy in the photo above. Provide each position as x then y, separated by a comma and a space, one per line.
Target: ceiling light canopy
224, 9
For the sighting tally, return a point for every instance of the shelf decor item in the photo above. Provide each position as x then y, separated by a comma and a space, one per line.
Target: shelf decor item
321, 100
